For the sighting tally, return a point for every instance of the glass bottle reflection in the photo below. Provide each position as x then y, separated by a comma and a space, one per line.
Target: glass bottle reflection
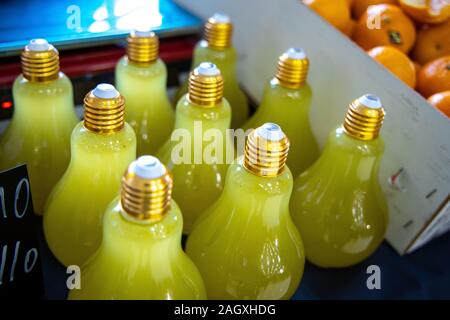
141, 78
141, 256
287, 102
337, 204
44, 117
216, 47
198, 174
102, 146
245, 245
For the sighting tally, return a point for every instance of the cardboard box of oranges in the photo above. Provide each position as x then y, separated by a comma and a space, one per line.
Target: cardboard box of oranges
414, 173
411, 38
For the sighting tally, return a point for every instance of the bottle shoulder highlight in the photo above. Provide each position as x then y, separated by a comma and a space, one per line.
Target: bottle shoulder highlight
202, 50
117, 221
240, 178
274, 88
341, 141
125, 67
61, 85
284, 106
192, 111
84, 138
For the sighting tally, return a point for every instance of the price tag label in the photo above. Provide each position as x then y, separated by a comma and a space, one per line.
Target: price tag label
20, 261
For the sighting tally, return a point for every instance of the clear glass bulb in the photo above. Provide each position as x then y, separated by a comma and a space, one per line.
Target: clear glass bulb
198, 185
226, 60
140, 256
246, 245
39, 133
140, 261
101, 149
290, 109
149, 111
337, 204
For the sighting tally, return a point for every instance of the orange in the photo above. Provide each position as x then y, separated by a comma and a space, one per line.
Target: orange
385, 24
417, 67
427, 11
397, 62
350, 27
441, 101
434, 77
432, 42
360, 6
336, 12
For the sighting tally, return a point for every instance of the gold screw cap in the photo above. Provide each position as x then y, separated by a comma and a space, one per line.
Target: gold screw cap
364, 117
146, 191
142, 47
40, 61
292, 69
218, 31
104, 110
266, 151
205, 85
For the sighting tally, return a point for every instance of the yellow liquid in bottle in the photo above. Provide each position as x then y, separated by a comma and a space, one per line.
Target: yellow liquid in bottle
74, 210
149, 111
140, 261
226, 60
289, 108
39, 133
246, 245
198, 185
338, 205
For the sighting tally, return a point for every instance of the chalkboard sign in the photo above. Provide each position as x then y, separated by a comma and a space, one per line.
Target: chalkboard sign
20, 261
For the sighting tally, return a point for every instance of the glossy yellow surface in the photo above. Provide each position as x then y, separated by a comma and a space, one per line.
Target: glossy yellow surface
74, 210
197, 183
226, 60
246, 245
148, 109
140, 261
39, 133
289, 108
338, 205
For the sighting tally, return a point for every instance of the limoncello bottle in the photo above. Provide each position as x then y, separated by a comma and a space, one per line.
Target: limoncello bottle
287, 101
141, 78
44, 116
245, 245
217, 48
337, 204
200, 147
102, 146
140, 256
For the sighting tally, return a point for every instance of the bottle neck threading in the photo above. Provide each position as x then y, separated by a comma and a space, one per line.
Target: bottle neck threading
263, 157
146, 200
362, 122
40, 66
104, 116
142, 50
218, 34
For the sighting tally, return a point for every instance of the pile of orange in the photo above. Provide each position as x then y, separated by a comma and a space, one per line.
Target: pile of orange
411, 38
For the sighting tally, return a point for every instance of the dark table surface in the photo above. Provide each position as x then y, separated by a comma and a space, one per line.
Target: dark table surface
424, 274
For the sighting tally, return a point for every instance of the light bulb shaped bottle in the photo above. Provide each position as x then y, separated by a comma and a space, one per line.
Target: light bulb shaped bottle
217, 48
337, 204
102, 146
140, 256
246, 245
44, 117
287, 101
200, 147
141, 78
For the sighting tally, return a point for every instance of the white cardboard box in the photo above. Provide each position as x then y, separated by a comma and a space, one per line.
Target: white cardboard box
417, 136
